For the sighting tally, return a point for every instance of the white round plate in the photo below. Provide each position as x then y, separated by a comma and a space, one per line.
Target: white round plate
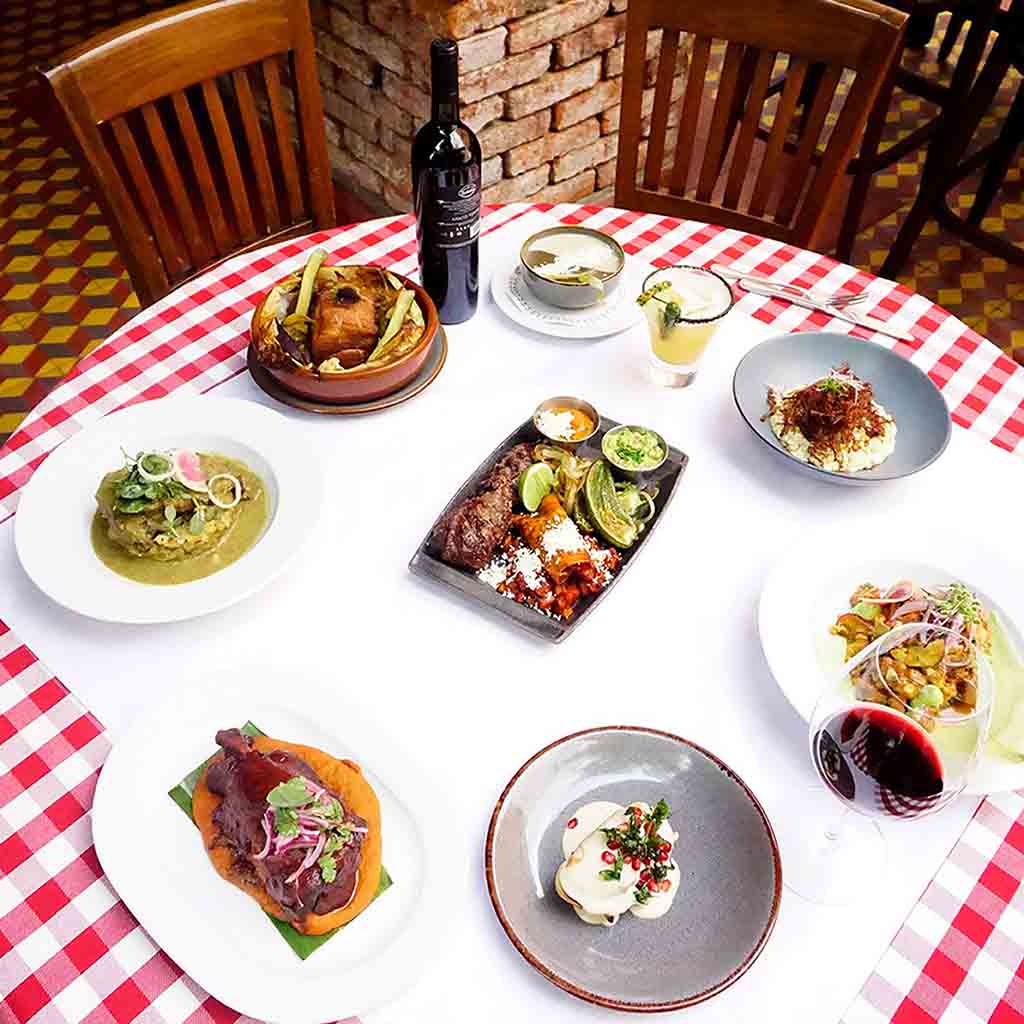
52, 527
216, 933
811, 585
617, 313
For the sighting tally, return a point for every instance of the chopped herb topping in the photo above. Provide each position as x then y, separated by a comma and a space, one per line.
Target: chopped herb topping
293, 793
638, 839
614, 873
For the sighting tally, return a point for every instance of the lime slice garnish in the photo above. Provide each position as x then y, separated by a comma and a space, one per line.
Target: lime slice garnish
535, 483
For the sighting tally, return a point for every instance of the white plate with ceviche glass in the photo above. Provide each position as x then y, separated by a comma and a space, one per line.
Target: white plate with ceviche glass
215, 931
618, 312
168, 510
823, 603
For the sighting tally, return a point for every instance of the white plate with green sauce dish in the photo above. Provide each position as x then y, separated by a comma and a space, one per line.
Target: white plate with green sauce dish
154, 856
168, 510
812, 585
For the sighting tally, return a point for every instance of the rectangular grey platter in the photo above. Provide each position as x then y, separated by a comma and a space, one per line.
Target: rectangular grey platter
424, 564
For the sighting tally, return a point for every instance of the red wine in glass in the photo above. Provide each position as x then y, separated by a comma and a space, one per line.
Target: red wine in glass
879, 760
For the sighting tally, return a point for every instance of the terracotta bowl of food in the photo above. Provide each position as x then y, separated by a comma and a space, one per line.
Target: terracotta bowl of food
343, 333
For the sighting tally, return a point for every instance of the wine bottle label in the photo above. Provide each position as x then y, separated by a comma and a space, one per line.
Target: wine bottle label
453, 199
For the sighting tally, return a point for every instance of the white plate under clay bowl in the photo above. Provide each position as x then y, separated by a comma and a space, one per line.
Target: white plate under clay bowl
617, 313
812, 584
53, 526
218, 934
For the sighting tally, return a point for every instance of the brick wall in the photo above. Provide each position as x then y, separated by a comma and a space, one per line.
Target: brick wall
540, 82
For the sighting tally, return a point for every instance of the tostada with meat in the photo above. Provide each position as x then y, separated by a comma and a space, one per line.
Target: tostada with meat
343, 332
292, 826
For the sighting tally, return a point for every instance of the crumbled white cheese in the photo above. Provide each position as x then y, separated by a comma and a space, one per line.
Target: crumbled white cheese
557, 425
495, 572
563, 536
528, 565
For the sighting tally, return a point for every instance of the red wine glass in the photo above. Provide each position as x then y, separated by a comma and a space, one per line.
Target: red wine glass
895, 736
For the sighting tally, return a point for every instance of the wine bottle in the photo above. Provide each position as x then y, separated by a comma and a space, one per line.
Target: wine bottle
446, 191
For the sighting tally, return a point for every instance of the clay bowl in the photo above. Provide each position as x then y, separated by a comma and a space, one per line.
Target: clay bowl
362, 385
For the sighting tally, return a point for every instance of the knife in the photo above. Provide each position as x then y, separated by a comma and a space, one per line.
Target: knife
856, 318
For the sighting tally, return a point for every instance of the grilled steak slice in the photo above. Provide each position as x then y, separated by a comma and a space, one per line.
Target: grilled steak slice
243, 779
471, 532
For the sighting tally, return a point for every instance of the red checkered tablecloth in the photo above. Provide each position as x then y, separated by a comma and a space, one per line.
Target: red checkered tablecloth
70, 950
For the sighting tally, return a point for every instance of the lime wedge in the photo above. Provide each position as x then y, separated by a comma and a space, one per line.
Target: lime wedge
535, 483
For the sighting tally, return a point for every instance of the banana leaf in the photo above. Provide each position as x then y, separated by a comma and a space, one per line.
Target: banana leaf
302, 945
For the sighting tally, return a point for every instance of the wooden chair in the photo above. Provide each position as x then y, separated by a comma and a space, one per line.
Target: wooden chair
186, 125
949, 164
789, 194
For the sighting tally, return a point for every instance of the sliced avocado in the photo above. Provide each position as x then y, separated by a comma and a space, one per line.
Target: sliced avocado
866, 610
603, 508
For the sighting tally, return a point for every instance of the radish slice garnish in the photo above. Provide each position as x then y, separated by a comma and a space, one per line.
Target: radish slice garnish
159, 467
908, 608
236, 486
188, 470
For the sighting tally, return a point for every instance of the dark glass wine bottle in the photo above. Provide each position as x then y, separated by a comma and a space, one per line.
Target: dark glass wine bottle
446, 191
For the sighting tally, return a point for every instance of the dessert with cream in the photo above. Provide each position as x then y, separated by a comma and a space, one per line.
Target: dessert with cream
618, 859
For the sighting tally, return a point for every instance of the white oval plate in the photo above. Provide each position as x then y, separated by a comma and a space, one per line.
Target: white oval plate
812, 584
154, 856
617, 313
54, 520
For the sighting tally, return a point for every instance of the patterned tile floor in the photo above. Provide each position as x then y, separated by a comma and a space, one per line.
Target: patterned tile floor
63, 288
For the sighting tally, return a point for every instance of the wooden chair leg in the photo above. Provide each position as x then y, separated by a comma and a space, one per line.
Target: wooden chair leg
1010, 138
954, 134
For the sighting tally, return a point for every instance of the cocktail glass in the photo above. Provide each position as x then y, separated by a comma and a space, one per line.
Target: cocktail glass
684, 307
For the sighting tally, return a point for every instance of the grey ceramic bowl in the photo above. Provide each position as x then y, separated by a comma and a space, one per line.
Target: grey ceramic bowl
730, 874
563, 294
794, 360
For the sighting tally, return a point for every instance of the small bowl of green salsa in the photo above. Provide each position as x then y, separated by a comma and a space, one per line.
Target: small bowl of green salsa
633, 450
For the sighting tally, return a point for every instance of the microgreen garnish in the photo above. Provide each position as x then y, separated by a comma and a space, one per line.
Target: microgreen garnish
959, 600
832, 385
135, 494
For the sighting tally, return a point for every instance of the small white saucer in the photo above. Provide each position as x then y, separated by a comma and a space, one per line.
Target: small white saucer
617, 313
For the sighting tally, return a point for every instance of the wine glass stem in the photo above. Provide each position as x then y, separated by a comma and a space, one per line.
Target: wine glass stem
834, 830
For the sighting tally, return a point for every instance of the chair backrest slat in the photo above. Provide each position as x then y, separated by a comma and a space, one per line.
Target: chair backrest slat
289, 168
740, 165
237, 188
659, 113
207, 185
189, 161
257, 148
718, 141
195, 239
750, 153
767, 176
814, 121
700, 57
170, 247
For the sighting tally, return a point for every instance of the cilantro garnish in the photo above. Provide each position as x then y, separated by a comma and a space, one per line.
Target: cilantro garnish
328, 868
293, 793
286, 821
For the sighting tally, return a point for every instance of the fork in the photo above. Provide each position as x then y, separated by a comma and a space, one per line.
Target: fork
837, 300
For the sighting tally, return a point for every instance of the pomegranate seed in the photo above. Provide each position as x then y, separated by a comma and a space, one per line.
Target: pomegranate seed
667, 847
572, 823
662, 856
645, 878
613, 844
666, 884
608, 858
636, 864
